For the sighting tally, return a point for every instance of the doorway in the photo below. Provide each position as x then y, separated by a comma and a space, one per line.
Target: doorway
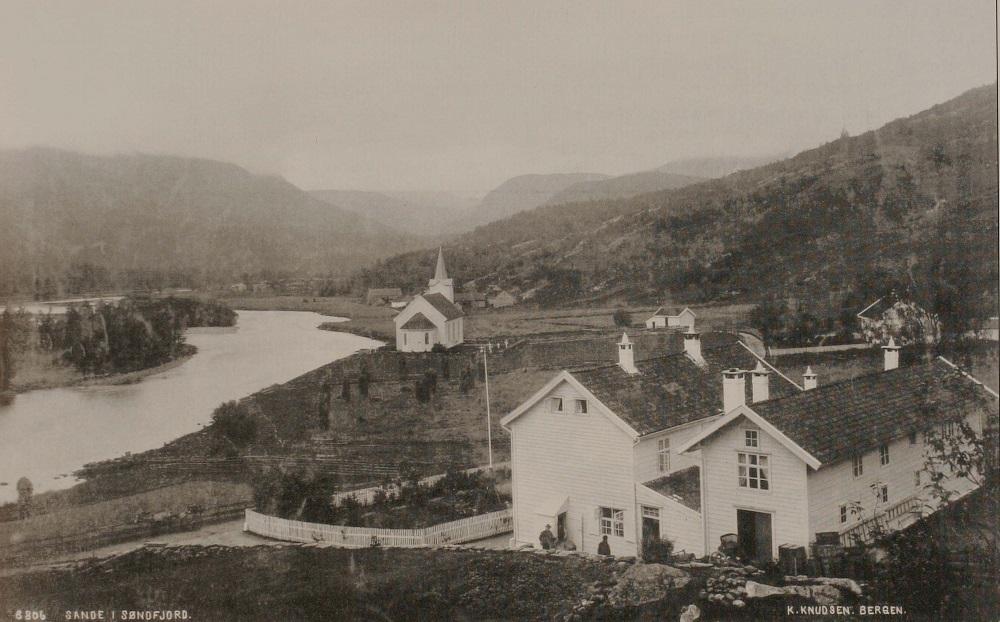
561, 527
753, 535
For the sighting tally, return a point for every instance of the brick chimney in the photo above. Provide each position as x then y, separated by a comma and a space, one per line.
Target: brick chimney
734, 389
891, 354
809, 379
760, 389
692, 345
626, 355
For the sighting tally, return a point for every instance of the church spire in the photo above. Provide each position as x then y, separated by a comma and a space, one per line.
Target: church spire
440, 273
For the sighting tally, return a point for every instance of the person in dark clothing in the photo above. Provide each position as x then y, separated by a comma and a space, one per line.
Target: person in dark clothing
546, 538
604, 548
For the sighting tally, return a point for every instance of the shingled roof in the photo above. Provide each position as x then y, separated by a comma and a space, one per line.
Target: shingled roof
840, 419
418, 322
447, 308
683, 485
672, 390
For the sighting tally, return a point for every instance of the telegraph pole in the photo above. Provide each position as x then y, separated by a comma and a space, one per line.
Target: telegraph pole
489, 428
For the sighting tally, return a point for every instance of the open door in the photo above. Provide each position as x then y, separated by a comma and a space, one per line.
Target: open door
753, 532
561, 527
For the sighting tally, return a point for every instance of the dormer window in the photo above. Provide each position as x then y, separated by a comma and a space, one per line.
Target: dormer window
556, 404
751, 439
580, 407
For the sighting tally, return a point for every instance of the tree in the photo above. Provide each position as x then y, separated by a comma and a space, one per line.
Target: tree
233, 422
364, 380
768, 318
621, 318
345, 389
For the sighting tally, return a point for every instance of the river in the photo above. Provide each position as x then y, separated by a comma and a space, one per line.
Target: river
47, 434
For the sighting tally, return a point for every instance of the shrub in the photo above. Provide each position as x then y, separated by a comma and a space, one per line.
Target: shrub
233, 422
657, 550
621, 318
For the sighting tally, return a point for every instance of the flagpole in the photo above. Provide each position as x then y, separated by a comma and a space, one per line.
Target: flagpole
489, 427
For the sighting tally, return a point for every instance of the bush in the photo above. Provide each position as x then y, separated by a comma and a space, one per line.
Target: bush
657, 550
439, 348
233, 422
621, 318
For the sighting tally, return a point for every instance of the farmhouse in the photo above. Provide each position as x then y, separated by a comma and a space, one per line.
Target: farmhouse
470, 300
666, 318
904, 321
432, 317
593, 453
706, 444
383, 295
502, 299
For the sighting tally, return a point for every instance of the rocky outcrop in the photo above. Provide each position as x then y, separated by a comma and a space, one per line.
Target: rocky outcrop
646, 583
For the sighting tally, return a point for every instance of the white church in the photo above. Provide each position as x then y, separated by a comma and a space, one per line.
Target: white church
431, 317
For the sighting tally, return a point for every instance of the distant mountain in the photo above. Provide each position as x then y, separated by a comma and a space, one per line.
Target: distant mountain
422, 213
527, 192
914, 202
712, 168
100, 222
622, 187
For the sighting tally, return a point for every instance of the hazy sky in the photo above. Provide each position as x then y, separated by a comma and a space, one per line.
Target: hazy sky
462, 95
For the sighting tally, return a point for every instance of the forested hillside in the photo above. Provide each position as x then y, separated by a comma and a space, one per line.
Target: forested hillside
77, 223
913, 203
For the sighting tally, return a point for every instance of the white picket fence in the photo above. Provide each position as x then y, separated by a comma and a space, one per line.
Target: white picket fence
455, 532
366, 496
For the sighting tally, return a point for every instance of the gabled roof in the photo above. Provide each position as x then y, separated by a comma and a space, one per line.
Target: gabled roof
418, 322
469, 296
447, 308
684, 485
671, 311
672, 390
838, 420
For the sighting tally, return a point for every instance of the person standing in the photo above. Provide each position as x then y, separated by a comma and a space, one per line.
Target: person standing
546, 538
604, 548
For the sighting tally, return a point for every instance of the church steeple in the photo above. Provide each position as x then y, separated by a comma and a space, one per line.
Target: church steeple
440, 273
441, 284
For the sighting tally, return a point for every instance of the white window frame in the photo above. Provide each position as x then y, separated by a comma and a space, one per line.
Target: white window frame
427, 338
883, 454
753, 471
556, 404
580, 406
917, 479
650, 512
663, 454
883, 493
843, 514
858, 465
751, 438
612, 521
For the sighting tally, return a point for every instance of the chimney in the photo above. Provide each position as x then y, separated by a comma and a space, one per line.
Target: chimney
734, 389
760, 389
809, 379
692, 345
626, 356
891, 354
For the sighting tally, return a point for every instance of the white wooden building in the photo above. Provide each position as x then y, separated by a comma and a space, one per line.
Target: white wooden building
432, 317
696, 445
669, 318
593, 452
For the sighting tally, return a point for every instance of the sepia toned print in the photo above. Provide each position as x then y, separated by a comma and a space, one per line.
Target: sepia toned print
498, 310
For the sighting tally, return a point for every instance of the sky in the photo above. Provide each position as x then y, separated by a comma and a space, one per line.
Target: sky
459, 96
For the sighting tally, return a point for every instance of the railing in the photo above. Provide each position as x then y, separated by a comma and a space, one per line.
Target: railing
882, 523
455, 532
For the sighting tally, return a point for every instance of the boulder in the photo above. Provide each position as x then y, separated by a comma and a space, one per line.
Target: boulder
690, 613
646, 583
820, 594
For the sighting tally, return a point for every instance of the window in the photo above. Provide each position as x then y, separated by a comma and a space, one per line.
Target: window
648, 512
913, 438
916, 479
843, 513
750, 438
883, 454
949, 428
612, 522
859, 465
752, 471
580, 406
557, 404
883, 494
404, 339
427, 338
663, 454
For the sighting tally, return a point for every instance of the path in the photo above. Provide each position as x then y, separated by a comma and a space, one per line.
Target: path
229, 533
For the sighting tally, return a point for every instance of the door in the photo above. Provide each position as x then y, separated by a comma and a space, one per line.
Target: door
753, 534
561, 527
650, 529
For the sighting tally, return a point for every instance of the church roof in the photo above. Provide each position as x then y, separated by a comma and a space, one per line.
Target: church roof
418, 322
440, 273
447, 308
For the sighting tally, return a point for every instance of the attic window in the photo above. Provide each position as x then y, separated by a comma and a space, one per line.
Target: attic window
750, 438
858, 465
557, 404
580, 407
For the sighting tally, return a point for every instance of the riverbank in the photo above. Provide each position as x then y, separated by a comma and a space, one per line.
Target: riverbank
56, 376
